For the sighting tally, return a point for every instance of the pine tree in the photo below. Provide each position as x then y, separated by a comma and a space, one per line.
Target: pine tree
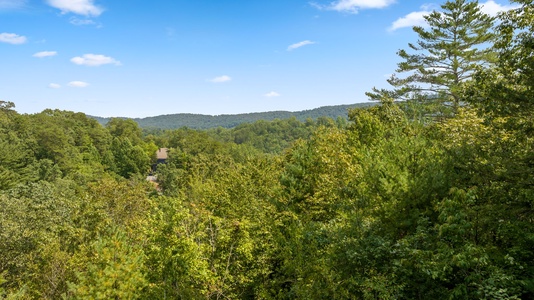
446, 54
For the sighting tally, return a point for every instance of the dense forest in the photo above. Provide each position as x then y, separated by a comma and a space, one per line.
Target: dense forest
427, 195
197, 121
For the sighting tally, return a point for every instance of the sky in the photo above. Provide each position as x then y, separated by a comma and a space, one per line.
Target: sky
141, 58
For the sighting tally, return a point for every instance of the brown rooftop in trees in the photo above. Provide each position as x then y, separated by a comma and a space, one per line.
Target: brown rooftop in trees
162, 153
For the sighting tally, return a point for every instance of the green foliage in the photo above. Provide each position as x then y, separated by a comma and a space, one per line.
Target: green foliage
67, 138
195, 121
272, 137
125, 128
35, 218
131, 154
15, 148
212, 238
398, 203
506, 89
112, 269
129, 159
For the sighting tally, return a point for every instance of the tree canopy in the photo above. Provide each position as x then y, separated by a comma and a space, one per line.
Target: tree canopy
385, 205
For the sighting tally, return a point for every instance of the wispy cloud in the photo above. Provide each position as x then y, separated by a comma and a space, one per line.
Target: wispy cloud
221, 79
94, 60
12, 38
12, 4
171, 32
271, 94
55, 85
299, 44
79, 7
45, 54
417, 18
78, 84
353, 6
82, 22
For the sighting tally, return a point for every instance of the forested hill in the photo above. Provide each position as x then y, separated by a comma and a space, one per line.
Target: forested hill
428, 198
198, 121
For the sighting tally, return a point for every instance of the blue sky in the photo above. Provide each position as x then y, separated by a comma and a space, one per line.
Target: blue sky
145, 58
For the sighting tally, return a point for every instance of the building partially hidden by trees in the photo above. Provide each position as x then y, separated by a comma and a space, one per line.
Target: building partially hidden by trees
161, 158
162, 155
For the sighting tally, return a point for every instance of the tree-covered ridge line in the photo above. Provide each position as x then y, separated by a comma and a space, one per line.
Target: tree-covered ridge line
199, 121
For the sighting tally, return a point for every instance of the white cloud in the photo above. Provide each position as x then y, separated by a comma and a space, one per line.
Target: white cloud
353, 6
416, 18
79, 7
12, 38
221, 79
491, 8
54, 86
271, 95
45, 54
78, 84
12, 4
299, 44
94, 60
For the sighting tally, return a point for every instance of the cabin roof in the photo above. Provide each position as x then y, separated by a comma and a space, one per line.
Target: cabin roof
162, 153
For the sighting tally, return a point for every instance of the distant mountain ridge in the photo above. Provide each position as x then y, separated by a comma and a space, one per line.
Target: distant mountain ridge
199, 121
